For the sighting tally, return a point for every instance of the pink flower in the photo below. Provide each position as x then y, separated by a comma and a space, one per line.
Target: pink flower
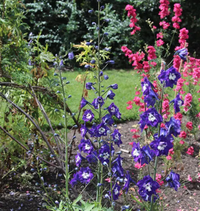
169, 157
190, 151
139, 166
159, 35
151, 53
181, 142
153, 64
183, 134
159, 42
159, 179
178, 116
189, 125
189, 178
137, 93
164, 24
136, 100
129, 107
199, 127
164, 8
154, 27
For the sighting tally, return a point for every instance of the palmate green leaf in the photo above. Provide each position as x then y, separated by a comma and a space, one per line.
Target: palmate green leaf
46, 56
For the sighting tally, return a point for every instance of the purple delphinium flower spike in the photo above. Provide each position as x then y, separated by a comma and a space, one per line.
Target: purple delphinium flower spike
92, 158
173, 180
162, 145
150, 117
75, 179
147, 188
88, 116
177, 103
117, 137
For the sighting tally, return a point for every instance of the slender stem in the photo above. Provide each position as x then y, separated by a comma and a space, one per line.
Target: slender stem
100, 166
66, 139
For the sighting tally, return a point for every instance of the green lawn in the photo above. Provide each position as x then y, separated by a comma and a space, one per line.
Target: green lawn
126, 81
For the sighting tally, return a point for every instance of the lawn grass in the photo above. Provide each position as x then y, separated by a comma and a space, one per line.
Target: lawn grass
126, 80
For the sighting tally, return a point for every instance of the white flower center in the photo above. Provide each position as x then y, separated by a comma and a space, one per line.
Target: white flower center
147, 186
117, 136
145, 87
116, 191
151, 117
78, 158
106, 156
88, 116
136, 152
172, 76
162, 146
101, 130
112, 109
179, 102
87, 147
85, 175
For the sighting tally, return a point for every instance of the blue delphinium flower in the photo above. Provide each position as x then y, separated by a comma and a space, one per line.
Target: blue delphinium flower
117, 137
150, 117
89, 85
85, 175
162, 145
151, 98
110, 95
104, 153
83, 130
115, 191
78, 159
177, 103
75, 179
117, 169
170, 77
88, 116
136, 152
147, 188
107, 119
183, 52
173, 180
173, 126
114, 86
114, 110
127, 181
85, 146
70, 55
147, 155
146, 86
98, 102
84, 102
102, 130
92, 157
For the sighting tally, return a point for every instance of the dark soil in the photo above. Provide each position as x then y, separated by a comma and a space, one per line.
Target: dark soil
31, 196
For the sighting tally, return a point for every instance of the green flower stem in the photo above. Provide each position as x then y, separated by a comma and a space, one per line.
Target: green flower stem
100, 166
66, 139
